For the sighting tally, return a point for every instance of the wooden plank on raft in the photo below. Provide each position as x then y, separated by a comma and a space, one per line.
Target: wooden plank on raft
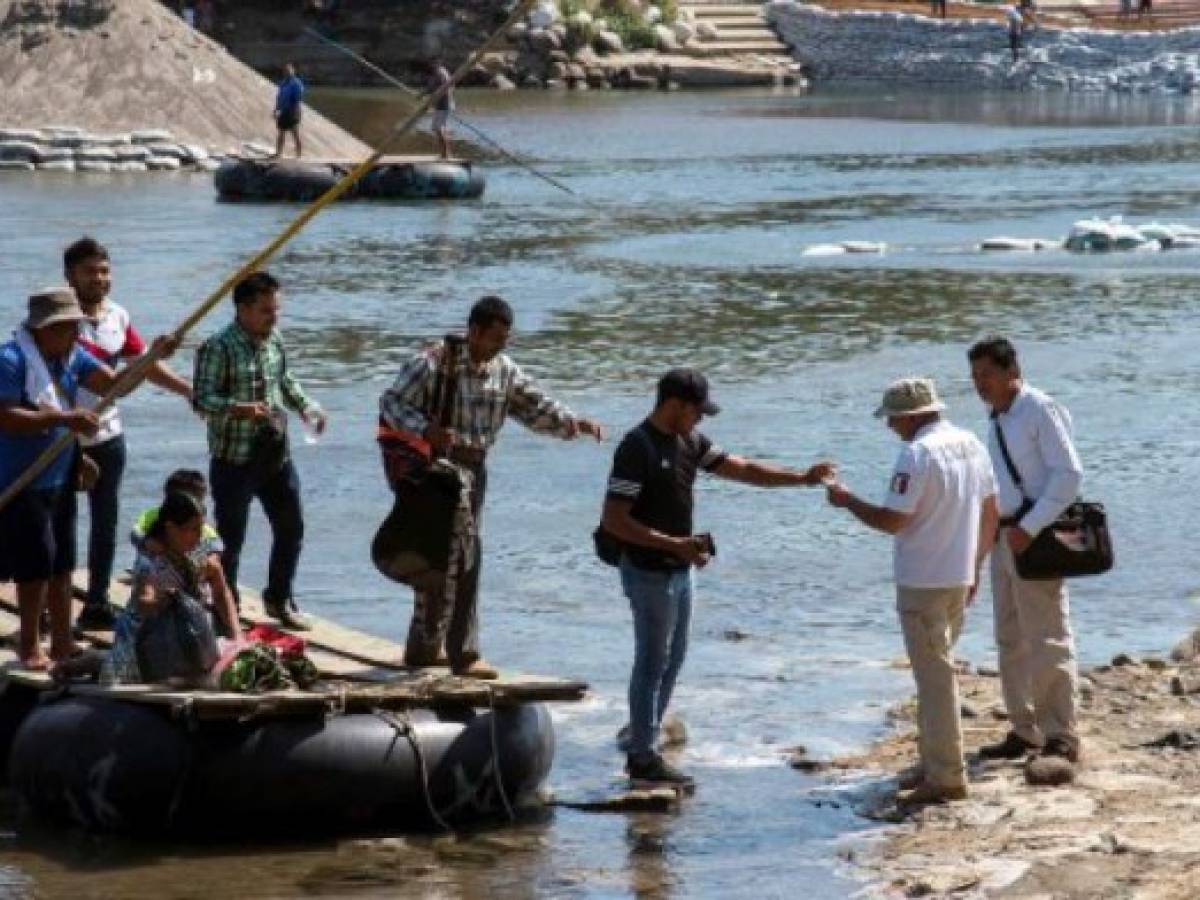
348, 684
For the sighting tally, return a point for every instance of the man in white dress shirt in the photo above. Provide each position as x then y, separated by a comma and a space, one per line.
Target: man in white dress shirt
941, 507
1038, 671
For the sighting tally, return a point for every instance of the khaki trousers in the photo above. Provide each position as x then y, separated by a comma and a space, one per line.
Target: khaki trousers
1036, 648
932, 619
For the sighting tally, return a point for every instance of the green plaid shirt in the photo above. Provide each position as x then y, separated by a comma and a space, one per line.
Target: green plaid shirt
232, 368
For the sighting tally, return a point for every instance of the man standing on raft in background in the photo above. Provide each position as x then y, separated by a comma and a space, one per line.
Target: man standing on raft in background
287, 110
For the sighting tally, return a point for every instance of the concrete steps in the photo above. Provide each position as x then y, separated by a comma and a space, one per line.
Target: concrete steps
741, 28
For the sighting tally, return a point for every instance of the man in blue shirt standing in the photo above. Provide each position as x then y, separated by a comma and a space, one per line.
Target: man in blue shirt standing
287, 109
41, 371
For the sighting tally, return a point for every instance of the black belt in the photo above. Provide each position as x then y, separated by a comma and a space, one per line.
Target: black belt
1010, 521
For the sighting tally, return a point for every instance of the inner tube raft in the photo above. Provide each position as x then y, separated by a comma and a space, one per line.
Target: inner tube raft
297, 181
123, 767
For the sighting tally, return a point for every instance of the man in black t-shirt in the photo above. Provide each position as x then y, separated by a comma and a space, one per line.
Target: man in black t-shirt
648, 507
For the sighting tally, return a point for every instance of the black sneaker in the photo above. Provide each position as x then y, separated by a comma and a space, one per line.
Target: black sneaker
652, 767
1012, 747
289, 616
96, 617
1061, 746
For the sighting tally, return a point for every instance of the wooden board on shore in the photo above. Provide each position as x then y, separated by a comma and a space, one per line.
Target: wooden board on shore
360, 672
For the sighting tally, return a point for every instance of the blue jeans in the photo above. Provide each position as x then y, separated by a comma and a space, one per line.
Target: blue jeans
234, 487
103, 503
662, 612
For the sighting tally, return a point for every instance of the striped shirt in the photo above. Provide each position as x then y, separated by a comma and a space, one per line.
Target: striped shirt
231, 367
486, 396
111, 338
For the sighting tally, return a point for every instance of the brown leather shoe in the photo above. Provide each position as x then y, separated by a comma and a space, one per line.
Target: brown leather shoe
477, 669
927, 793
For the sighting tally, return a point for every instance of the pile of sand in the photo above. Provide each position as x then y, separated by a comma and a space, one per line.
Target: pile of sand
121, 65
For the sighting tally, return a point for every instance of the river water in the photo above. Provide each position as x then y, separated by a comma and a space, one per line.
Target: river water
688, 250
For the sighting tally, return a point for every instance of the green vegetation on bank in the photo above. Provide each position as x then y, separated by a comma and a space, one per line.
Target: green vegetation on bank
627, 18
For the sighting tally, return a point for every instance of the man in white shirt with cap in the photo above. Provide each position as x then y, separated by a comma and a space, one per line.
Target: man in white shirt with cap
941, 507
1038, 671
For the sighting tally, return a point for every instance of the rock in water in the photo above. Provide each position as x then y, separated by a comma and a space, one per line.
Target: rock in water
1049, 770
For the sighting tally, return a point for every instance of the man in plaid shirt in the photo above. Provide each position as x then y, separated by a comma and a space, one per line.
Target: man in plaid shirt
243, 387
490, 388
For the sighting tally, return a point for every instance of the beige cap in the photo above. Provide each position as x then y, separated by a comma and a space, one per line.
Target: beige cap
53, 305
909, 397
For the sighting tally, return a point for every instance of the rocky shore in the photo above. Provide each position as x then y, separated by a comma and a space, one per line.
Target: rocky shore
900, 48
1129, 826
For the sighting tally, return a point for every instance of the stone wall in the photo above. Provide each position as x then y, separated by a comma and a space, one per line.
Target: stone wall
904, 48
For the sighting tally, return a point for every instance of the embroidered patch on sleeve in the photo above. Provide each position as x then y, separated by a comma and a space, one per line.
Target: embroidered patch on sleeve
900, 483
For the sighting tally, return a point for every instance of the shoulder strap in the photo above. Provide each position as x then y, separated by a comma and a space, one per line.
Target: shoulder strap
446, 391
1012, 469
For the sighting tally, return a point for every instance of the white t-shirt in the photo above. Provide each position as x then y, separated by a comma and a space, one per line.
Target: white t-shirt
110, 337
941, 478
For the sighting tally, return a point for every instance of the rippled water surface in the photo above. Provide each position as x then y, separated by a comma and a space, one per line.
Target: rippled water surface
684, 247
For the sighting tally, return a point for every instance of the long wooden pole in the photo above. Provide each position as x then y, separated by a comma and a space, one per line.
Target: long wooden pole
135, 374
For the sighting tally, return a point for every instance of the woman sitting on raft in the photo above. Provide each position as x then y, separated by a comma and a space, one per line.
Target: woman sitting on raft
167, 631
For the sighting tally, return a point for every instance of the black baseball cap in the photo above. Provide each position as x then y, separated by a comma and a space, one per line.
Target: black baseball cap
687, 385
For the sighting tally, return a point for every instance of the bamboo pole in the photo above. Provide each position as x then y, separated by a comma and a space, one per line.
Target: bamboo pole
135, 374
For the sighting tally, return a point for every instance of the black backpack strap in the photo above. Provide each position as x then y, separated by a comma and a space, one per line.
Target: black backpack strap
1012, 469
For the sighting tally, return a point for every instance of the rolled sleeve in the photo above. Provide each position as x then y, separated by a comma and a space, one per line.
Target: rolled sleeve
1065, 470
530, 405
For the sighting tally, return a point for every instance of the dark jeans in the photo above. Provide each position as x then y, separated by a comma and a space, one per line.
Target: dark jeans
104, 507
455, 621
233, 488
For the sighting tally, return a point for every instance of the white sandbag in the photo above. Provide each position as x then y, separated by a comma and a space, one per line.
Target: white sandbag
1156, 231
57, 165
193, 153
22, 151
74, 141
1103, 235
864, 246
253, 149
95, 154
134, 153
1183, 242
1020, 244
150, 136
109, 140
129, 165
163, 150
207, 165
162, 164
50, 154
16, 165
21, 134
94, 166
61, 130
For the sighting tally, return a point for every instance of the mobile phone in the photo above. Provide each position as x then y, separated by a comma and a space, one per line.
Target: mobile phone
707, 543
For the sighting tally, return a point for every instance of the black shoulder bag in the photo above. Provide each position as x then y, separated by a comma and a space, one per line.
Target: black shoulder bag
412, 546
1076, 543
608, 546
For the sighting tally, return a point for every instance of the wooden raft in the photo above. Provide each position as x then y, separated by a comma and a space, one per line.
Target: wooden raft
360, 673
